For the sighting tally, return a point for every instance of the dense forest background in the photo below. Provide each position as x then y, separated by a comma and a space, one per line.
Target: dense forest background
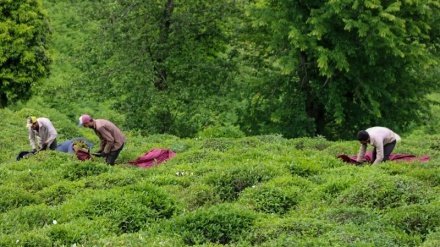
236, 68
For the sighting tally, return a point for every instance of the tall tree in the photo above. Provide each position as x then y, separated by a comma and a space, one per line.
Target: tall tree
165, 61
352, 63
24, 56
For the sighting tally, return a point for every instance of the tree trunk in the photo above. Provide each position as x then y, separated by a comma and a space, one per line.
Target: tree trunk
314, 108
161, 82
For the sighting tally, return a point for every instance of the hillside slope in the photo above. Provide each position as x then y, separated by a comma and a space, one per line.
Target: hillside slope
253, 191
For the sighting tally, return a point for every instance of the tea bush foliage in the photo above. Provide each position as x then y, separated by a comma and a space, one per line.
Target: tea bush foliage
219, 191
272, 199
384, 192
221, 224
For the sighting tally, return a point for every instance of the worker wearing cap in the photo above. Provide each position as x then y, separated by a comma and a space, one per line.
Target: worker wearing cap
41, 128
111, 137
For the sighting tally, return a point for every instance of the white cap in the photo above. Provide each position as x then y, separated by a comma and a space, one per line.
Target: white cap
83, 120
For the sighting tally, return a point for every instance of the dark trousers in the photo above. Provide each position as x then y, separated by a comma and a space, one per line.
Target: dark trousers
53, 145
387, 150
111, 157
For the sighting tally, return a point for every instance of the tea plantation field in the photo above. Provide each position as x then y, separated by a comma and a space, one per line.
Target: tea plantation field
250, 191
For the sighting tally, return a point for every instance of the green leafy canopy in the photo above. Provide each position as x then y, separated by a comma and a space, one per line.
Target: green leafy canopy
24, 56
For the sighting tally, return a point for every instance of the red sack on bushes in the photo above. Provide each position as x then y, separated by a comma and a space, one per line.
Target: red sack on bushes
153, 157
81, 155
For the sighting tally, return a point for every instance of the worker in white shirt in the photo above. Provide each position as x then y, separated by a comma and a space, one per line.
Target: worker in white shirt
382, 139
44, 131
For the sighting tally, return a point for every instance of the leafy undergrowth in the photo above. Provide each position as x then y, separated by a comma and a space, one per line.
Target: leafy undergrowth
250, 191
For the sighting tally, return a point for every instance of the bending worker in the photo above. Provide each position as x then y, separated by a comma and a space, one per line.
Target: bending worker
43, 129
382, 139
112, 138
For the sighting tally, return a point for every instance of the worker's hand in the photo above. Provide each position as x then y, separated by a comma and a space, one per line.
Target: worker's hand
358, 163
44, 147
34, 150
100, 154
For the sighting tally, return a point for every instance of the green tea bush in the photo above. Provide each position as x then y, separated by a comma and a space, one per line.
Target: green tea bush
287, 240
304, 166
125, 211
327, 161
420, 145
432, 239
153, 197
60, 192
197, 156
14, 128
415, 219
25, 112
249, 142
229, 182
33, 179
221, 224
8, 240
346, 147
79, 232
53, 164
24, 219
428, 172
431, 176
157, 139
218, 144
5, 174
13, 197
272, 139
26, 239
182, 178
396, 168
351, 215
53, 159
287, 231
349, 235
272, 199
287, 181
138, 240
80, 169
384, 191
154, 234
200, 194
221, 131
245, 154
332, 187
110, 180
317, 143
179, 147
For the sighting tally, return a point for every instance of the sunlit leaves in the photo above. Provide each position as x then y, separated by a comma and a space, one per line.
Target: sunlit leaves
24, 60
358, 50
